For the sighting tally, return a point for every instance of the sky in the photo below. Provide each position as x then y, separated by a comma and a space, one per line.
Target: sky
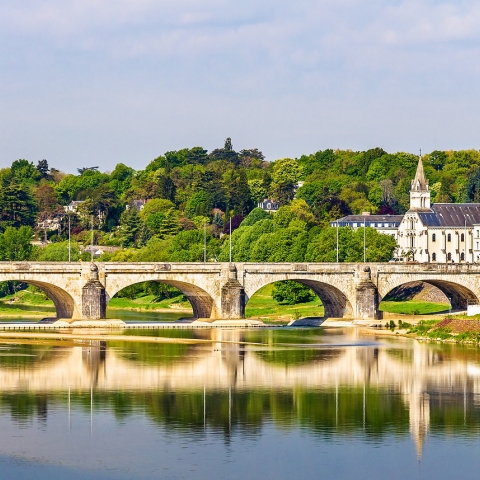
100, 82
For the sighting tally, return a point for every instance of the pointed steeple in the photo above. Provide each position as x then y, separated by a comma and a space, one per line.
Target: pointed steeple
419, 182
419, 192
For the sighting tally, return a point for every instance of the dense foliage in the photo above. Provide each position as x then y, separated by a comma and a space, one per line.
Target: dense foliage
185, 203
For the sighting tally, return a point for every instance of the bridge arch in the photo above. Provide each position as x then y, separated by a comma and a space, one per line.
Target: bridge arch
335, 303
63, 301
201, 301
458, 294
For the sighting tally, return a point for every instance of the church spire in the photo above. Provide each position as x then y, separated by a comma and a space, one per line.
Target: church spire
419, 182
419, 192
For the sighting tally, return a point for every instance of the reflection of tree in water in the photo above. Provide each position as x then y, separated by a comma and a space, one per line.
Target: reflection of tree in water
295, 350
24, 406
15, 356
154, 353
362, 403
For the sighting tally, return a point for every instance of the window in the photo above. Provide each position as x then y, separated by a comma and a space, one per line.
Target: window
434, 238
462, 256
434, 257
462, 237
449, 237
449, 256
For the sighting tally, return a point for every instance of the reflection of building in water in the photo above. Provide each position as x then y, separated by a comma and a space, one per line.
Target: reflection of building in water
412, 369
419, 412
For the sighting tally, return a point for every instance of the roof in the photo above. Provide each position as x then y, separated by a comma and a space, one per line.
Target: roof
370, 218
452, 215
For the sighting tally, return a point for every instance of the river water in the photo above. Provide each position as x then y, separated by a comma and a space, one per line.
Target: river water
278, 403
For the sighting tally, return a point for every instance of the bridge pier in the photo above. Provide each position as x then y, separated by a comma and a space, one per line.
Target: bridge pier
94, 302
367, 298
232, 297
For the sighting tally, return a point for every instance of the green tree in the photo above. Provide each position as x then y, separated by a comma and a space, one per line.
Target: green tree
170, 225
255, 216
16, 244
25, 171
225, 153
290, 292
156, 205
323, 247
130, 227
437, 159
240, 200
200, 203
58, 252
17, 207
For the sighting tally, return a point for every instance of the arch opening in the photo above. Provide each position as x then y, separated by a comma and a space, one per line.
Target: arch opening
158, 290
443, 292
62, 301
335, 304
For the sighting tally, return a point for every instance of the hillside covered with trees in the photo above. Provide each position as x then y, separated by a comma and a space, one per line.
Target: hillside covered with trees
187, 193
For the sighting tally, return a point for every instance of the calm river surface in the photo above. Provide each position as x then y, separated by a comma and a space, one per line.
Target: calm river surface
287, 404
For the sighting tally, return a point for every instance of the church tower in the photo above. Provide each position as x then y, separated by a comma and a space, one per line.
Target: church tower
419, 192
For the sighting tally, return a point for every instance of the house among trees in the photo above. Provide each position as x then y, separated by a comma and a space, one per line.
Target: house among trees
269, 206
73, 206
139, 205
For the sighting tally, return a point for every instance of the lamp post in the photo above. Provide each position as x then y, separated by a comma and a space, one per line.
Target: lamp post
69, 241
91, 247
337, 241
230, 239
204, 242
364, 241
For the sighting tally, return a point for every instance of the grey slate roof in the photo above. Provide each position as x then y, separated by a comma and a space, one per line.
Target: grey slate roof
452, 215
368, 219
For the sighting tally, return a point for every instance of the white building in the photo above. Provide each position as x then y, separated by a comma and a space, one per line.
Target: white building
386, 224
73, 206
442, 232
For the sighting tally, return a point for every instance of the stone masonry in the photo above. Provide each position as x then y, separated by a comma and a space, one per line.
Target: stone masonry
81, 290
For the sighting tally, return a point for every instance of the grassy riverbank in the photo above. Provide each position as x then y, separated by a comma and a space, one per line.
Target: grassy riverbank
458, 329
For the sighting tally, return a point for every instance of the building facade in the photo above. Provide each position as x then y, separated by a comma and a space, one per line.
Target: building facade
442, 232
386, 224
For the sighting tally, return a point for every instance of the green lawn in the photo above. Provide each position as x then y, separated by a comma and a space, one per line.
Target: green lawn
147, 303
263, 306
413, 307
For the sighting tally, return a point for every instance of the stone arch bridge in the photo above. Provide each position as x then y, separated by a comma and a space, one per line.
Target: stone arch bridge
82, 290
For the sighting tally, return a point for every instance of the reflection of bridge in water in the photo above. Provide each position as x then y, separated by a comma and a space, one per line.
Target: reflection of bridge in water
414, 370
